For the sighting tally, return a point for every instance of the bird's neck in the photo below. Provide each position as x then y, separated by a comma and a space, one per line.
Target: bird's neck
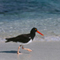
32, 35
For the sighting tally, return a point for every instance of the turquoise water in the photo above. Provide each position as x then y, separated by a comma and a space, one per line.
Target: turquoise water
19, 17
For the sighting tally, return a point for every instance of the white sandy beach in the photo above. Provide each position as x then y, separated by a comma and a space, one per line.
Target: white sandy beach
19, 17
41, 51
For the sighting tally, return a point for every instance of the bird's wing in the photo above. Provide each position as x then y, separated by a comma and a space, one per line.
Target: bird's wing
23, 38
20, 38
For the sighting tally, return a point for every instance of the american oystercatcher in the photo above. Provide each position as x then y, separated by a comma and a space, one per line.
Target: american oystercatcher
24, 39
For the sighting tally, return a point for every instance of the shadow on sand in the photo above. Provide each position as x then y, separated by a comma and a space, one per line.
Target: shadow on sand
8, 51
13, 51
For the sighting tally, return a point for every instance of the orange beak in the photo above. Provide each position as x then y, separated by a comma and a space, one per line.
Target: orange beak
40, 33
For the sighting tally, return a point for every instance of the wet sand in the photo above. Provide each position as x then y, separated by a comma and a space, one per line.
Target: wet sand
40, 51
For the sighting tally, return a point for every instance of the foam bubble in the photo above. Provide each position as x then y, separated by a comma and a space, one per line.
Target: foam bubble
51, 38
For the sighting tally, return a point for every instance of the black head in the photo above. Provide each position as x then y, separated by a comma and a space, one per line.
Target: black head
33, 30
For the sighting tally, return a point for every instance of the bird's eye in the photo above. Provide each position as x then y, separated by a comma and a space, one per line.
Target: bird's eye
35, 29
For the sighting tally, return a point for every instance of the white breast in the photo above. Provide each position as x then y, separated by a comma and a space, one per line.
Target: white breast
29, 41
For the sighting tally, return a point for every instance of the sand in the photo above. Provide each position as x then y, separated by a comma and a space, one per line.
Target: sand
40, 51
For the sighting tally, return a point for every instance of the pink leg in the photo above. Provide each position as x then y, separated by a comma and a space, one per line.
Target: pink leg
26, 49
18, 50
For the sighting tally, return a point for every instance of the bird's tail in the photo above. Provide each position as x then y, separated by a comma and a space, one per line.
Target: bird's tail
13, 39
7, 40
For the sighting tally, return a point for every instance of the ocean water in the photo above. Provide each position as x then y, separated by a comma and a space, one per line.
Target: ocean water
20, 16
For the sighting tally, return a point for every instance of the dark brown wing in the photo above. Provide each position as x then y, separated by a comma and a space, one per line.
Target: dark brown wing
24, 38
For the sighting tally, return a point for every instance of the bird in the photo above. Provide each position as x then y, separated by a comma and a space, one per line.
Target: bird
24, 39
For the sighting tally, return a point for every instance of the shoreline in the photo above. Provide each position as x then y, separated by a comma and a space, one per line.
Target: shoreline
52, 38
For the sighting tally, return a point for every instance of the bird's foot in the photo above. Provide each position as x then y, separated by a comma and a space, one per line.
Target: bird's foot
29, 50
19, 53
26, 49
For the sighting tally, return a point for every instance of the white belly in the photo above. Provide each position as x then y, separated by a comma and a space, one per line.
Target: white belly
25, 43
